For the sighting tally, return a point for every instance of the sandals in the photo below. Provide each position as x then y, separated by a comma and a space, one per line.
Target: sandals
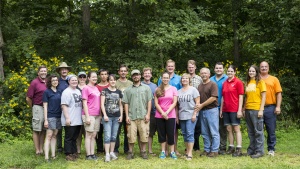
188, 158
152, 154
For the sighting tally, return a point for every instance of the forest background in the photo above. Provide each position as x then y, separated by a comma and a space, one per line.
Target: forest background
93, 34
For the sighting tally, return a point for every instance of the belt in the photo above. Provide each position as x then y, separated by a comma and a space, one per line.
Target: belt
39, 105
268, 105
205, 108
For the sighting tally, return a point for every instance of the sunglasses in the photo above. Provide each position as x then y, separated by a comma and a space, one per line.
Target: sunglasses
82, 76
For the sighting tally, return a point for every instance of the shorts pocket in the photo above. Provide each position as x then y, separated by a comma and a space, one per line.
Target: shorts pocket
35, 124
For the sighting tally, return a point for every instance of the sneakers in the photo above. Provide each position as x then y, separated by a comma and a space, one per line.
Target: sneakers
173, 155
113, 156
257, 155
144, 155
94, 157
107, 158
271, 153
88, 158
204, 153
162, 155
238, 152
230, 150
130, 156
91, 157
213, 154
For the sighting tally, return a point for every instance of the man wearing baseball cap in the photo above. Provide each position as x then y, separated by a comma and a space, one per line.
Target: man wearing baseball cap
137, 101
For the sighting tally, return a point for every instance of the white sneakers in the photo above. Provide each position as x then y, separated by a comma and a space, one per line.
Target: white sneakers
271, 153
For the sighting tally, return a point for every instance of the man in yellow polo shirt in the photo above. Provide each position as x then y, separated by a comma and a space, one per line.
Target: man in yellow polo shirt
272, 105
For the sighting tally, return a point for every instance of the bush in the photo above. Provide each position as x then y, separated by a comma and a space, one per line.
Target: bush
15, 114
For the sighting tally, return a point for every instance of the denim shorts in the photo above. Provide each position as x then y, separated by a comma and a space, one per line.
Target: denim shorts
230, 118
54, 123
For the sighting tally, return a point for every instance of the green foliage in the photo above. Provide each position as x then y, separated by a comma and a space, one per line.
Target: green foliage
15, 115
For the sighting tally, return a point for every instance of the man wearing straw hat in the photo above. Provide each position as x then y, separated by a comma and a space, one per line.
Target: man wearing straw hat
63, 70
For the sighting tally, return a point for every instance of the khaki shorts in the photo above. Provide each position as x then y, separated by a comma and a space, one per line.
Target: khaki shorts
138, 126
37, 118
94, 125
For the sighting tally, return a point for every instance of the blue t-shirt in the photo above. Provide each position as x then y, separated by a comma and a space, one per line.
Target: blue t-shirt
53, 99
153, 88
62, 85
220, 86
174, 81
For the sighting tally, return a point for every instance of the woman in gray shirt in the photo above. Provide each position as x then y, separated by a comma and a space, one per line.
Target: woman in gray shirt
188, 97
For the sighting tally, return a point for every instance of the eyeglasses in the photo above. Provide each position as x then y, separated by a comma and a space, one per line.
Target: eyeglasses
82, 76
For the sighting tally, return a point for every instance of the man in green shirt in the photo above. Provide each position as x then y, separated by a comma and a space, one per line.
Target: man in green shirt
137, 103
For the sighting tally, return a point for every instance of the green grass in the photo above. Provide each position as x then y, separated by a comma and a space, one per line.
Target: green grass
21, 154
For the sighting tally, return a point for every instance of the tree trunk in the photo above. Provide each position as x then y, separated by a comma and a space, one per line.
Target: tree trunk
234, 16
86, 19
1, 54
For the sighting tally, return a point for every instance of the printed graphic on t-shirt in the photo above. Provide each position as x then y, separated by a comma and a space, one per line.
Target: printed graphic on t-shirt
251, 87
112, 103
184, 98
77, 99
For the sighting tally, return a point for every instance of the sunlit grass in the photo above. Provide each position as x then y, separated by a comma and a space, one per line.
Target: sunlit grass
20, 154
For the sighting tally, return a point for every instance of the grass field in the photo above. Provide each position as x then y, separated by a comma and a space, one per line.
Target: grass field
21, 154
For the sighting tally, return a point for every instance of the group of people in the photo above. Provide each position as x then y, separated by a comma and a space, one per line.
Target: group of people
198, 105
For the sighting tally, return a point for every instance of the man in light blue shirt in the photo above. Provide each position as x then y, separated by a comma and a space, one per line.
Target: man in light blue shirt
174, 78
219, 78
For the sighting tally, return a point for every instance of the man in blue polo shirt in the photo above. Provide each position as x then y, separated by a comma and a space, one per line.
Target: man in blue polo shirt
174, 78
219, 78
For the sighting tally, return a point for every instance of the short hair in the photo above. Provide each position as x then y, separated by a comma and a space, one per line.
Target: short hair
49, 80
103, 70
187, 75
40, 67
146, 69
170, 61
205, 68
219, 63
112, 76
123, 65
191, 62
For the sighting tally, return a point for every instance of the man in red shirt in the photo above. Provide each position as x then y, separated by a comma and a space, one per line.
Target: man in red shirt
34, 99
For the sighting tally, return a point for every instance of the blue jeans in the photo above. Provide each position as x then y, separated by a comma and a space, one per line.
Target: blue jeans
270, 123
197, 133
255, 127
210, 129
188, 129
110, 129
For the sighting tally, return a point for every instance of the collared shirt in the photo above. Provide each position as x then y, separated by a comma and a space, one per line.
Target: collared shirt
174, 81
153, 88
62, 84
273, 87
231, 92
36, 90
207, 91
137, 98
196, 80
220, 85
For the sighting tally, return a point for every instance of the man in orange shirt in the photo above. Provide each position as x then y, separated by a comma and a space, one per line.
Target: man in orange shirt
272, 105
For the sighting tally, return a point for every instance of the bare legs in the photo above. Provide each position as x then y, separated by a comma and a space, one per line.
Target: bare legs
90, 139
38, 140
50, 142
238, 134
